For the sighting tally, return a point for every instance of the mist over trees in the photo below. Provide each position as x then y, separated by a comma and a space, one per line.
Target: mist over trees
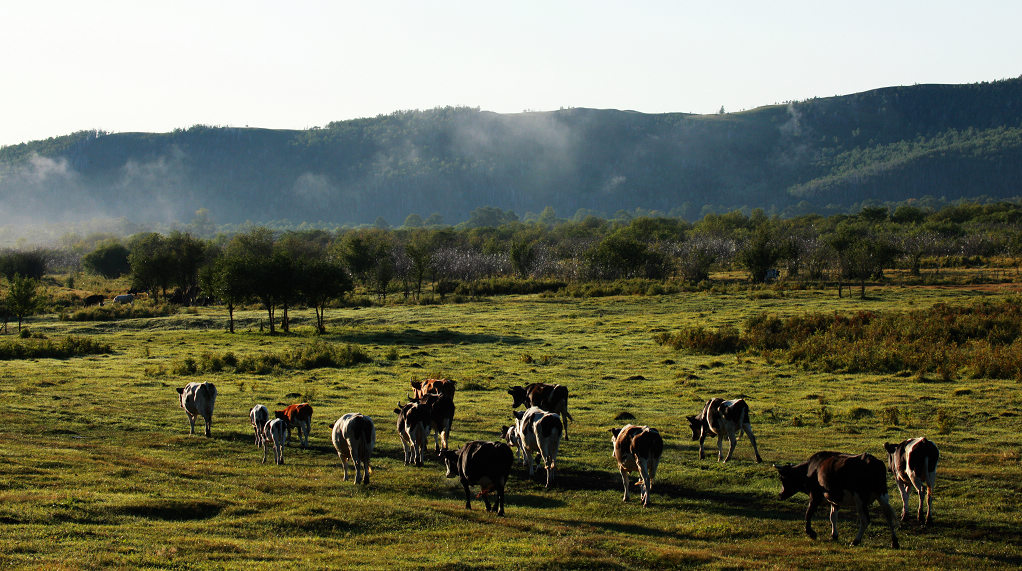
824, 155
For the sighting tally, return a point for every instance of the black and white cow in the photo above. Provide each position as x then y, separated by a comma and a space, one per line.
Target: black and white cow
486, 464
914, 463
354, 437
637, 449
441, 415
539, 432
413, 423
723, 418
197, 399
275, 434
259, 416
551, 398
839, 480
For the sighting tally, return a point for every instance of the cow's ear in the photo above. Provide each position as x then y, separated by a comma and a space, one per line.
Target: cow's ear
397, 410
615, 431
519, 414
511, 391
416, 384
503, 430
330, 425
890, 448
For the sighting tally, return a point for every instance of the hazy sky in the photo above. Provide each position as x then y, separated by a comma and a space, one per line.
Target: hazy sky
154, 66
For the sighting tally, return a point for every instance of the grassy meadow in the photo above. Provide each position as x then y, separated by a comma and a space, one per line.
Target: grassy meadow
97, 468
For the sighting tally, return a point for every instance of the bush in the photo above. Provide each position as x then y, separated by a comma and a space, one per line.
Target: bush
35, 348
702, 340
313, 356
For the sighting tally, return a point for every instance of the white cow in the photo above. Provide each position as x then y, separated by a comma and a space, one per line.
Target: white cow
637, 449
539, 432
274, 434
197, 399
354, 437
259, 415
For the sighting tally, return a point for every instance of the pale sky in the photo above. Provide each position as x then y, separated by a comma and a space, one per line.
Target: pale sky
155, 66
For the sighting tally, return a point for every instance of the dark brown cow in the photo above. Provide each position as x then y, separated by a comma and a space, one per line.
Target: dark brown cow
840, 480
637, 449
723, 418
413, 423
297, 416
551, 398
442, 386
487, 464
914, 463
441, 407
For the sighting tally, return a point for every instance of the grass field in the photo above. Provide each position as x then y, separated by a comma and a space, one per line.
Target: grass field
98, 468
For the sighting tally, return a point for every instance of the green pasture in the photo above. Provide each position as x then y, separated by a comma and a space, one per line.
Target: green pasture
97, 468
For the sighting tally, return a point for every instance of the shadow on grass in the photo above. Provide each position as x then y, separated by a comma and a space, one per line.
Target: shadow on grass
417, 337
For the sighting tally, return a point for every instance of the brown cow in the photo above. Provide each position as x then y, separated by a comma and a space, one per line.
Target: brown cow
637, 449
442, 386
551, 398
297, 416
413, 424
914, 463
723, 418
840, 480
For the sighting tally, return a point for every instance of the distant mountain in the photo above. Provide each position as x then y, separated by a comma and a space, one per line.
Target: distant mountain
822, 155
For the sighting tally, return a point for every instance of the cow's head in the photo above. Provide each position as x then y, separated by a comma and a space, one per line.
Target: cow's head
283, 416
510, 435
696, 424
180, 390
518, 394
450, 460
892, 451
793, 480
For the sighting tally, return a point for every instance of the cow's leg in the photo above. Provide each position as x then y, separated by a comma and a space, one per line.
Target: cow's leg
929, 503
563, 411
191, 423
720, 447
810, 510
904, 491
344, 464
529, 460
446, 434
702, 437
500, 499
644, 479
468, 495
885, 509
209, 424
624, 480
748, 430
732, 440
862, 511
264, 453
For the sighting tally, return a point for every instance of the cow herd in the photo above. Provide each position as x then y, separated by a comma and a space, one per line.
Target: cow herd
828, 478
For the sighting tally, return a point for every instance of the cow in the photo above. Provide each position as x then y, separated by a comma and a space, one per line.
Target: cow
509, 434
275, 434
723, 418
259, 416
552, 398
840, 480
539, 432
486, 464
442, 386
637, 449
197, 399
297, 416
441, 417
413, 424
914, 463
354, 437
91, 300
124, 299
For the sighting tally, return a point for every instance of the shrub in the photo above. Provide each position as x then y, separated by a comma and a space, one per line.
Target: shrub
35, 348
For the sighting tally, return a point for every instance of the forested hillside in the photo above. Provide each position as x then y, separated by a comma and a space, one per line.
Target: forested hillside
821, 155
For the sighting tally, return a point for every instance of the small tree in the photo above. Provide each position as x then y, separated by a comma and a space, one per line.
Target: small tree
321, 282
225, 279
23, 298
109, 260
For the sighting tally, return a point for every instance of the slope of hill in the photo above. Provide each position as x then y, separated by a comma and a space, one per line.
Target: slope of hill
950, 141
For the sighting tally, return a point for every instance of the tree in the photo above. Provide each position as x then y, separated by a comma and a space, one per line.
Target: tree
152, 267
523, 257
28, 264
413, 221
22, 297
862, 253
758, 254
109, 260
321, 282
226, 280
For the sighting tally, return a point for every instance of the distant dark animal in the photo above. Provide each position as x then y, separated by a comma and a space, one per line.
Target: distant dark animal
413, 423
840, 480
551, 398
297, 416
486, 464
539, 432
259, 416
441, 415
354, 437
914, 463
723, 418
275, 434
124, 298
637, 449
91, 300
442, 386
198, 399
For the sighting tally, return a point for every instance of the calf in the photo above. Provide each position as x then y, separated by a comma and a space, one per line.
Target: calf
637, 449
354, 437
124, 298
914, 463
539, 431
552, 398
275, 434
96, 299
509, 434
197, 399
297, 416
413, 423
840, 480
487, 464
723, 418
259, 416
442, 386
441, 417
